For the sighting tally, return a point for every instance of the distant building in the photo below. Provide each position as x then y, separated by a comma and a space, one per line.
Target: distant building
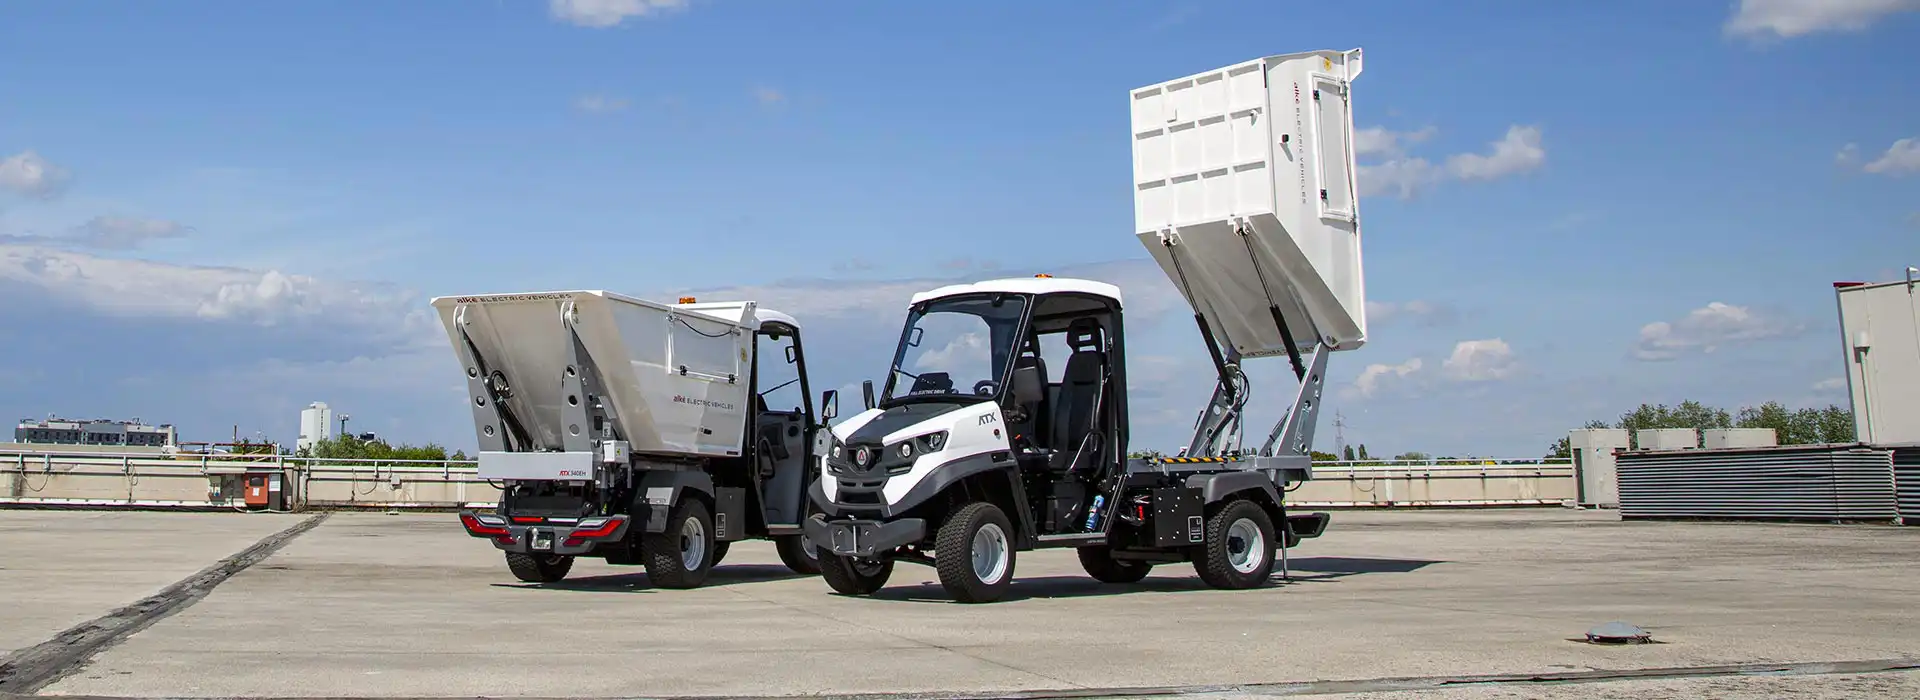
316, 424
63, 431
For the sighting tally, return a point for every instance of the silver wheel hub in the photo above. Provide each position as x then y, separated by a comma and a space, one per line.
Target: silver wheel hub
693, 544
990, 553
1246, 548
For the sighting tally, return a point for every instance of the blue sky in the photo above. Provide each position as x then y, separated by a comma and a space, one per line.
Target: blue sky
213, 213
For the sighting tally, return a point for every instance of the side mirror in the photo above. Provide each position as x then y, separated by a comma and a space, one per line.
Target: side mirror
866, 393
829, 404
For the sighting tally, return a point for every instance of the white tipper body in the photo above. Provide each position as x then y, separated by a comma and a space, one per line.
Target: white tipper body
971, 430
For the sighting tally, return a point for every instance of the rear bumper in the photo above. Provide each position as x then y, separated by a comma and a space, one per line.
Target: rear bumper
863, 538
546, 537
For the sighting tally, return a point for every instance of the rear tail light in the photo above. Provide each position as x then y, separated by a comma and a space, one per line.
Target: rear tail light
492, 526
592, 528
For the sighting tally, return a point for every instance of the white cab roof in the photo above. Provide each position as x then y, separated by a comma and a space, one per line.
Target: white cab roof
1024, 285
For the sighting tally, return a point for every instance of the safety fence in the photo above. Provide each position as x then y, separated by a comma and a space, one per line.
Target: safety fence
276, 482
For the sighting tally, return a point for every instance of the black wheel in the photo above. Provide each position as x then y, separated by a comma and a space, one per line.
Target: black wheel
720, 548
974, 553
682, 555
798, 553
539, 568
1100, 564
1238, 550
850, 576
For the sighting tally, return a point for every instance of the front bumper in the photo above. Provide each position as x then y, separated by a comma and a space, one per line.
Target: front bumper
863, 538
546, 537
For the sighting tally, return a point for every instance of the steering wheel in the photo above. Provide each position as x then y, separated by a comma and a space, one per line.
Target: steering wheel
985, 387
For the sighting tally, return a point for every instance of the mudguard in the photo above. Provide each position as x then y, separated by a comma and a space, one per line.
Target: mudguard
659, 490
1218, 486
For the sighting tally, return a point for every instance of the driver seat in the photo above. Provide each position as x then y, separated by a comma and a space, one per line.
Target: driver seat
1082, 385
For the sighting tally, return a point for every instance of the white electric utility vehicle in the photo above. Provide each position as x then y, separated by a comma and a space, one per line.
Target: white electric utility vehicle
634, 431
1003, 424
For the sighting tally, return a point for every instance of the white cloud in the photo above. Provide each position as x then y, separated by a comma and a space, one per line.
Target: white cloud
607, 13
1708, 328
769, 96
1832, 384
601, 104
106, 232
30, 174
1424, 312
1480, 361
1519, 151
144, 289
1369, 381
1901, 158
1792, 18
1378, 140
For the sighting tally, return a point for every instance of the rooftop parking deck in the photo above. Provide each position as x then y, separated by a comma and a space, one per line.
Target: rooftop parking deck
377, 605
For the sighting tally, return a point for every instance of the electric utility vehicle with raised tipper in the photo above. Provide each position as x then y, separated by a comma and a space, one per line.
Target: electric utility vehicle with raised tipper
634, 431
976, 448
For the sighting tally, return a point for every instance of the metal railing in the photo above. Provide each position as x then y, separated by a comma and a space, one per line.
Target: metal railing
220, 481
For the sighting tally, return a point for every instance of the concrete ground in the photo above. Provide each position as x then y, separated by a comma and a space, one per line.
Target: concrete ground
372, 605
61, 568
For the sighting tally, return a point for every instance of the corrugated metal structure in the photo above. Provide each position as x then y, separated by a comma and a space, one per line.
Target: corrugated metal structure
1799, 482
1906, 479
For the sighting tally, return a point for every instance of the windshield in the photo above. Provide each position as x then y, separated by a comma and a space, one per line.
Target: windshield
955, 347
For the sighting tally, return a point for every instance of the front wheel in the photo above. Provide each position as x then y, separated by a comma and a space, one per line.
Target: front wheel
799, 554
539, 568
1238, 550
974, 553
682, 555
850, 576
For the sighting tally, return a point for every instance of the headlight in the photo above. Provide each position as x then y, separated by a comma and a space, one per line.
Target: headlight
837, 450
906, 450
932, 442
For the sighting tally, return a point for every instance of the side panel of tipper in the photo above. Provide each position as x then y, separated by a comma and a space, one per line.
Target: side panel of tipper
677, 378
1244, 193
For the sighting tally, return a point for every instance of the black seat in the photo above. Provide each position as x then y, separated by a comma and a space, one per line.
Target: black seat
1031, 417
1077, 408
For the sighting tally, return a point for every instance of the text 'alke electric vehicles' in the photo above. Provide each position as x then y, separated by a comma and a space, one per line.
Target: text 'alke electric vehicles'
640, 432
1003, 424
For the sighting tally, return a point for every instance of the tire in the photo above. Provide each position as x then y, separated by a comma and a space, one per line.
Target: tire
720, 551
849, 577
1100, 564
977, 530
688, 535
535, 568
1238, 551
799, 554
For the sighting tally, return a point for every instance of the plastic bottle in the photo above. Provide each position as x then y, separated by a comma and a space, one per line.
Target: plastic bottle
1093, 514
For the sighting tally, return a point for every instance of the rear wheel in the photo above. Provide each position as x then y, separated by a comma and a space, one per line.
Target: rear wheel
1100, 564
850, 576
974, 553
1238, 550
539, 568
720, 551
682, 555
798, 553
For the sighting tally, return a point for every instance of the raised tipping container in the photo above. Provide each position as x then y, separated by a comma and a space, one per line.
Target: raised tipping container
1262, 148
677, 375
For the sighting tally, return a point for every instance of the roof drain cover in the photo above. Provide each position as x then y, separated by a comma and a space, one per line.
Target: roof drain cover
1618, 633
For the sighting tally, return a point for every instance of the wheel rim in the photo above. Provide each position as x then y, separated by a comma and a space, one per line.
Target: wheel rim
1245, 546
989, 553
693, 544
807, 550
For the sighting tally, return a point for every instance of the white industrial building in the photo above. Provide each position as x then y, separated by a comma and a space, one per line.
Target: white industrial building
1880, 333
316, 424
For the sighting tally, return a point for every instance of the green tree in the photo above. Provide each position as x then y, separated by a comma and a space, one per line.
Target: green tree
1689, 414
1319, 456
349, 447
1363, 452
1414, 457
1348, 453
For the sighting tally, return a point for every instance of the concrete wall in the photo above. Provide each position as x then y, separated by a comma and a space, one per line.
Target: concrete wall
1880, 344
212, 482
